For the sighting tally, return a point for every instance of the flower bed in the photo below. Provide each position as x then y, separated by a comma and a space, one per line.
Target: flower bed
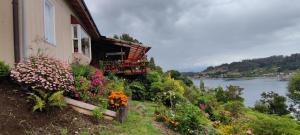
91, 88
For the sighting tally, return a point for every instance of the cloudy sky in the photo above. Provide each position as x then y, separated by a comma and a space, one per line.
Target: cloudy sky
189, 34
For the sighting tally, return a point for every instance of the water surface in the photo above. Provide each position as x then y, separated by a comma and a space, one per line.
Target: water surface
252, 88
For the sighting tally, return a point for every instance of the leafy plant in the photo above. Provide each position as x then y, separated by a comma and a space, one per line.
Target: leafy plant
97, 113
187, 119
82, 70
43, 99
63, 131
234, 107
263, 124
4, 69
138, 91
153, 77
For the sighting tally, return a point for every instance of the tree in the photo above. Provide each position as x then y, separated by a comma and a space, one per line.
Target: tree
234, 93
152, 63
127, 37
178, 76
294, 88
272, 103
202, 87
174, 74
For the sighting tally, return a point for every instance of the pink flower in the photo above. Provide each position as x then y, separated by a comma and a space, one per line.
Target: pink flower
81, 81
202, 106
76, 95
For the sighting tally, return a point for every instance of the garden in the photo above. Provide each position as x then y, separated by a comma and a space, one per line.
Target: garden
44, 87
46, 96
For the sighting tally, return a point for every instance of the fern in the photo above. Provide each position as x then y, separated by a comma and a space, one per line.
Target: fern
39, 102
43, 99
57, 99
42, 94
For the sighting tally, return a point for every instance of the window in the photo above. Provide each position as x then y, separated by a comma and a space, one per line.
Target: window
49, 22
81, 41
85, 43
75, 39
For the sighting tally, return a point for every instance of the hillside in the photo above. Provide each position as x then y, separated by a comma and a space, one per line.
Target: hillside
269, 66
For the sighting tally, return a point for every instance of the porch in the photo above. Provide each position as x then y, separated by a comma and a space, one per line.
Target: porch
120, 57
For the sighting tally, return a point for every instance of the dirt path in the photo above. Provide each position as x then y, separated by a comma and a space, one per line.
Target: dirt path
163, 129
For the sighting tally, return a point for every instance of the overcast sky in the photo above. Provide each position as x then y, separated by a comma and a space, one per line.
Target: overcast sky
189, 34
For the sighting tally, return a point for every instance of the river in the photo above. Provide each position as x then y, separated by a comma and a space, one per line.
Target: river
252, 88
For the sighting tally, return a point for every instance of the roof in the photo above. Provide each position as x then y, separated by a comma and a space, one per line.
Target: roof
136, 51
86, 18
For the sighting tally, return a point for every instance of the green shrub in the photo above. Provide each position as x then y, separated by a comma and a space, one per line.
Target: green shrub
4, 69
138, 91
97, 113
234, 107
188, 119
44, 99
82, 70
173, 85
170, 98
192, 94
263, 124
155, 89
152, 77
261, 107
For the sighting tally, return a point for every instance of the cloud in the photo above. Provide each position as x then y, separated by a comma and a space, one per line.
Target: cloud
187, 34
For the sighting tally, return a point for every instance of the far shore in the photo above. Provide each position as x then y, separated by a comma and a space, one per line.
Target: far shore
240, 78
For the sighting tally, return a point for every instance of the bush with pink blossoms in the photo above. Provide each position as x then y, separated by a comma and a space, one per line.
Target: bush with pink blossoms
42, 72
89, 82
97, 81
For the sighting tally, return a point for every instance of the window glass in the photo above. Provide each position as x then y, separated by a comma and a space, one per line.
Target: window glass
75, 32
49, 22
85, 43
75, 43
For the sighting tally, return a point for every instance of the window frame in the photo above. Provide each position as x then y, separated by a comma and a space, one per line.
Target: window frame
79, 37
49, 2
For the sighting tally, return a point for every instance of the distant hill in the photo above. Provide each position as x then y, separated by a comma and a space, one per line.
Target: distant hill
269, 66
189, 73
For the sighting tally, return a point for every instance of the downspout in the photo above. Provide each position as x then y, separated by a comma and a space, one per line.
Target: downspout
16, 33
24, 30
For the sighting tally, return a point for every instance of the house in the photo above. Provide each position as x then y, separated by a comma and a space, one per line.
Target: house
59, 28
120, 57
63, 29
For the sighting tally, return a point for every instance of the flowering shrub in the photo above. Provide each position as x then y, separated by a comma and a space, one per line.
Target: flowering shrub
44, 73
82, 88
97, 82
117, 100
186, 119
89, 82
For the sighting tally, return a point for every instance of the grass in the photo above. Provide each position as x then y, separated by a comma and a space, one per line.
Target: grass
139, 121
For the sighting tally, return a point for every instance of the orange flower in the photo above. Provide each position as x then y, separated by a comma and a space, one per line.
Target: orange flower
118, 99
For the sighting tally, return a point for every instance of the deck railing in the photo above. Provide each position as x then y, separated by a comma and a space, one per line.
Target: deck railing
125, 67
